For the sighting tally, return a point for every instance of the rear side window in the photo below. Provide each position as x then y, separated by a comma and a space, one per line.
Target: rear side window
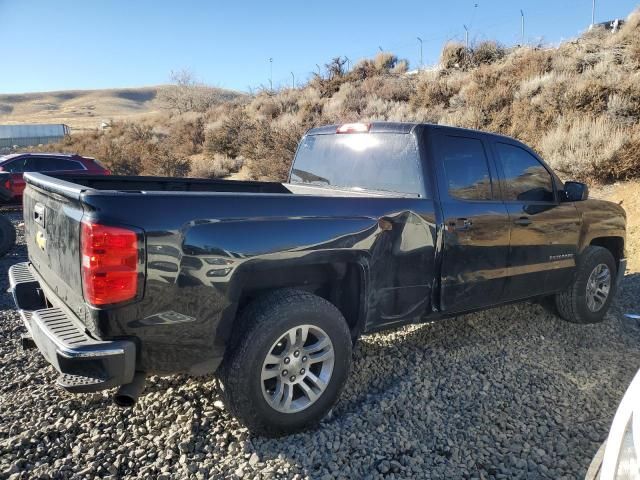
525, 177
360, 161
466, 169
50, 164
16, 166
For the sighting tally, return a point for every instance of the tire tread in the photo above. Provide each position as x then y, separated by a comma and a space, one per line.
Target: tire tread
250, 328
568, 302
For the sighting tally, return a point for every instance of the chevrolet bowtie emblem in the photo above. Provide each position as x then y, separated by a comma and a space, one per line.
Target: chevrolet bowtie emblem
41, 240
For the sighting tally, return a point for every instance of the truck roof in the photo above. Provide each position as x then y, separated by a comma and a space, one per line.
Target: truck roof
375, 127
401, 127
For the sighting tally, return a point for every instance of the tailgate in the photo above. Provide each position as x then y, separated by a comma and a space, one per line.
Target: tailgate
52, 232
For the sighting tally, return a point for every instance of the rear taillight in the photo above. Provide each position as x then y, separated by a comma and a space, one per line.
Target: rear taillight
109, 264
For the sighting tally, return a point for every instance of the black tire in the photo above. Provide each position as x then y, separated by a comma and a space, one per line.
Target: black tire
7, 235
261, 325
572, 303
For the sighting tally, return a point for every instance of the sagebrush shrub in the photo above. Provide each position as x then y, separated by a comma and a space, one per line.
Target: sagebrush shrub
585, 148
216, 166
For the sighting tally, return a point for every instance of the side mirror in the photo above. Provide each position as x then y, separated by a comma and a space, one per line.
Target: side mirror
575, 192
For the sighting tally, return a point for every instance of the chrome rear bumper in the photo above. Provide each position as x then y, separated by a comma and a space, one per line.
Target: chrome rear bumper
85, 364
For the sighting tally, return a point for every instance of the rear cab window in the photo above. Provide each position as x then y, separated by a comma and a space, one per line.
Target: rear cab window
382, 161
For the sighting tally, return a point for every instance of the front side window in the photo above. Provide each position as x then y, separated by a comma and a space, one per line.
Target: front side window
466, 169
525, 178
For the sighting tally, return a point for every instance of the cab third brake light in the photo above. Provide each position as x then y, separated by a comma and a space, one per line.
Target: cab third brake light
354, 128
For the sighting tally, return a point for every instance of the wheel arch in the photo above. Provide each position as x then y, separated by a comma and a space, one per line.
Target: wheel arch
342, 281
614, 244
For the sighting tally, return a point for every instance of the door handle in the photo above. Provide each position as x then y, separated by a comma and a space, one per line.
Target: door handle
523, 221
463, 224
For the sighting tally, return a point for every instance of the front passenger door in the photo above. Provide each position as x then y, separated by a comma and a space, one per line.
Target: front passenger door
544, 231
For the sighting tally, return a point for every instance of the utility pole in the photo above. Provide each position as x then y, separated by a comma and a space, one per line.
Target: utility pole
380, 48
319, 73
293, 80
522, 28
271, 74
420, 40
593, 13
348, 63
466, 37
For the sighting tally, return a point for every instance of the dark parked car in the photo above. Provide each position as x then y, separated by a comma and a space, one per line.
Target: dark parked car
269, 284
52, 163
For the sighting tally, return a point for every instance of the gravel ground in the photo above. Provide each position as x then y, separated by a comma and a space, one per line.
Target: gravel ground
509, 393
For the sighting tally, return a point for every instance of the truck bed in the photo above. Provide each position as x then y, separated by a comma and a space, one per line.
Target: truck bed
139, 184
124, 183
206, 245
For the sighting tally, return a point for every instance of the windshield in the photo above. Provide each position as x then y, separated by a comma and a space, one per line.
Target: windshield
360, 161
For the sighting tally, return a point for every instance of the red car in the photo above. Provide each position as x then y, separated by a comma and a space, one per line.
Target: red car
15, 165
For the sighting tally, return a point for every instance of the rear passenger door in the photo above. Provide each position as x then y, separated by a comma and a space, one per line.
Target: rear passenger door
544, 231
476, 223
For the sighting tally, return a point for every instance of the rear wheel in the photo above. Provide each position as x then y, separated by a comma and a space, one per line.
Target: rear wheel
291, 359
588, 298
7, 235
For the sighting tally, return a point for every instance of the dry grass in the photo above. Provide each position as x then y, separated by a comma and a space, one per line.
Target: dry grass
85, 109
578, 104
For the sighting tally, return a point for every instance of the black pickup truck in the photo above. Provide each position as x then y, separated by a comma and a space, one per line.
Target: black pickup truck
269, 285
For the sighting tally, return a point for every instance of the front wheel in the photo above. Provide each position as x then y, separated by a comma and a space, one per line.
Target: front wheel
291, 359
588, 298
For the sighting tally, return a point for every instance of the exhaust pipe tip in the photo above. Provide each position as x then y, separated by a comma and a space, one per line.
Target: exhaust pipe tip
127, 395
124, 401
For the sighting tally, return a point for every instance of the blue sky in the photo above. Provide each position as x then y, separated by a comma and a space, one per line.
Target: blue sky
64, 44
